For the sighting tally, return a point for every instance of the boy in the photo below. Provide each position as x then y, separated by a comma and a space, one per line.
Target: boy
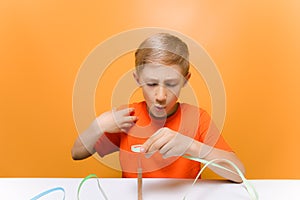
164, 128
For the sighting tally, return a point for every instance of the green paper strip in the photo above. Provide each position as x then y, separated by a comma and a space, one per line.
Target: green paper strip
87, 178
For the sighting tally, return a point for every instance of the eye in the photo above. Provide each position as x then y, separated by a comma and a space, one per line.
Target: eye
171, 84
151, 84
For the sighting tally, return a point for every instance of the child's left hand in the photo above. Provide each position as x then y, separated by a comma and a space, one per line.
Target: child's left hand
167, 142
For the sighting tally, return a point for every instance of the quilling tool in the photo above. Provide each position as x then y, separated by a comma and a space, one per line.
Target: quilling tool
137, 149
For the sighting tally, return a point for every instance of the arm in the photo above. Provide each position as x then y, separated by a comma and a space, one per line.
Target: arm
171, 143
109, 122
198, 149
85, 142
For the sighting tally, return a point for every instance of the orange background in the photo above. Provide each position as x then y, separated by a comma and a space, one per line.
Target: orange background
255, 45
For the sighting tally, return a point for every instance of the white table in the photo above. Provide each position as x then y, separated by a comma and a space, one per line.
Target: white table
153, 189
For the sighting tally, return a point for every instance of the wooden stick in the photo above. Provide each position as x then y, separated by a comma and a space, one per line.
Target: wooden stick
140, 184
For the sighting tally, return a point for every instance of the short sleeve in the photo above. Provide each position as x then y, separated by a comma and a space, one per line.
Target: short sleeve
210, 134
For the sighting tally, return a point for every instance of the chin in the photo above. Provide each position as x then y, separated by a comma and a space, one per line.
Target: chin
155, 114
159, 116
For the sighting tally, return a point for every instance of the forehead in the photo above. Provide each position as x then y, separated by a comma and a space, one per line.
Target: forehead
158, 71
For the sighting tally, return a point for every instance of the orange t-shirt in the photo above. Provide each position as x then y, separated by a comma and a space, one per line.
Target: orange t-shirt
187, 120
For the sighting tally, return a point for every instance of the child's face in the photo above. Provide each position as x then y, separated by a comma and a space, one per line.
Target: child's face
161, 87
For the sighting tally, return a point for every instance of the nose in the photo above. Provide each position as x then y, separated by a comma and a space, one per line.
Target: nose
161, 94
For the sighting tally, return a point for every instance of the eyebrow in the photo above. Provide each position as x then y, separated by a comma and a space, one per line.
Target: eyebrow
150, 79
167, 79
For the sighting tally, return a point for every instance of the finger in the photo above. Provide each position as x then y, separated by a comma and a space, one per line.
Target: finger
130, 119
123, 130
126, 111
168, 154
127, 125
162, 144
145, 147
148, 143
159, 143
120, 116
170, 144
167, 150
164, 149
127, 121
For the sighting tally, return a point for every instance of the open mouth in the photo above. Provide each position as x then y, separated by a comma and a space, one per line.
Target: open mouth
158, 111
160, 108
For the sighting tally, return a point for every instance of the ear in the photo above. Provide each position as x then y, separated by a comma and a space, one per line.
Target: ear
186, 78
136, 78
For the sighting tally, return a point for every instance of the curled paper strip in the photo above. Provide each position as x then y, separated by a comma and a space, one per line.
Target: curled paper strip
49, 191
136, 148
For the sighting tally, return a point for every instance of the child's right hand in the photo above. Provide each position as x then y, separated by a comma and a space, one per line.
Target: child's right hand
116, 121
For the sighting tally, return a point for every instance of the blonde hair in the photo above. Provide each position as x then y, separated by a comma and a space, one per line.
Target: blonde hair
163, 48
